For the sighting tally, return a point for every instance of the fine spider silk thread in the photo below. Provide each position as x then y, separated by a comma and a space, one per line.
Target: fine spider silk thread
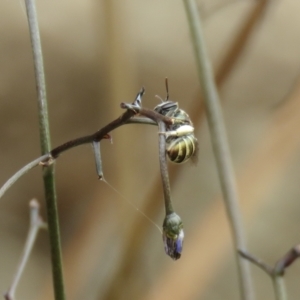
131, 204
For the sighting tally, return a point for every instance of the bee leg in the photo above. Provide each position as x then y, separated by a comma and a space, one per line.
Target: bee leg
181, 131
184, 130
168, 133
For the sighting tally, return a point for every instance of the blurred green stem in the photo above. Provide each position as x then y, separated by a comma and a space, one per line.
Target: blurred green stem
279, 288
220, 145
48, 172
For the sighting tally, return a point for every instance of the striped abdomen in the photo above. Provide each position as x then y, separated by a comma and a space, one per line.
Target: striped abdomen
180, 149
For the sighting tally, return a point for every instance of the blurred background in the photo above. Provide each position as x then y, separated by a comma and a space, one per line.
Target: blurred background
98, 54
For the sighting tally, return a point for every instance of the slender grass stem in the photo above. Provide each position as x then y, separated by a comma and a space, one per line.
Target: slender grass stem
39, 75
220, 145
48, 174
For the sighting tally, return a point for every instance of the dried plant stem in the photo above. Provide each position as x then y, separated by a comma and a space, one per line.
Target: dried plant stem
36, 223
276, 272
21, 172
139, 230
220, 144
48, 174
258, 262
164, 169
52, 155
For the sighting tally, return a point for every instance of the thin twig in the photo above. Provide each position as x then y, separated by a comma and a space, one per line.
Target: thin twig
164, 169
125, 118
173, 234
220, 145
36, 223
97, 136
48, 159
21, 172
256, 261
287, 260
48, 174
141, 120
276, 273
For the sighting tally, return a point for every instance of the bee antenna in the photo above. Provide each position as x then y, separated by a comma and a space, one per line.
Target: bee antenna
156, 96
167, 88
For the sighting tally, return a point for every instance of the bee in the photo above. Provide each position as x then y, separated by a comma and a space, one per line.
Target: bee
181, 143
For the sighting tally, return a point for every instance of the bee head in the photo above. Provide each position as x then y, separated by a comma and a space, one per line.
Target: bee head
166, 107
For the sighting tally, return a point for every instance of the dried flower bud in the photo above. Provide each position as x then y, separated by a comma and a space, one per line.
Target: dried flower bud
173, 235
